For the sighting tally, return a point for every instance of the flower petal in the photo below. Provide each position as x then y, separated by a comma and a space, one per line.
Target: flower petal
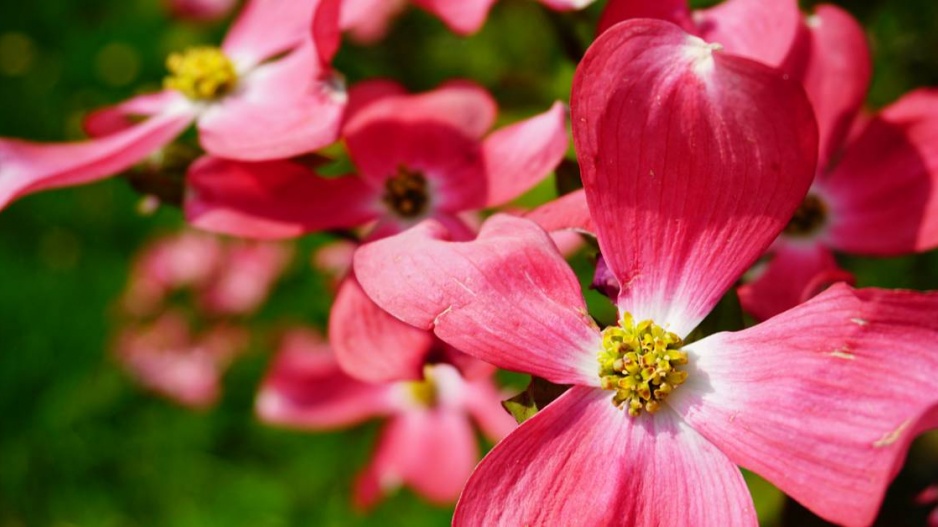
517, 157
568, 212
507, 297
370, 344
27, 167
767, 32
791, 276
692, 160
581, 461
273, 199
305, 388
825, 396
463, 17
266, 28
884, 191
433, 451
112, 119
283, 109
837, 75
367, 21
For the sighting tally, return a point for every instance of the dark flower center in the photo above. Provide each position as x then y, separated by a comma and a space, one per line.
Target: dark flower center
809, 218
406, 193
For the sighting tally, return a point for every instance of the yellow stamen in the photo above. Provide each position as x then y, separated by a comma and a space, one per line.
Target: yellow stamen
201, 73
640, 363
424, 392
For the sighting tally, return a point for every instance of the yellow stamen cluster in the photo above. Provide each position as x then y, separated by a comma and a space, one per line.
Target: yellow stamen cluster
406, 193
424, 392
640, 363
810, 216
201, 73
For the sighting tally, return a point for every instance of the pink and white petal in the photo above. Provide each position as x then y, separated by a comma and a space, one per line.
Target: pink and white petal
883, 193
566, 5
519, 156
508, 297
825, 396
581, 461
675, 11
273, 199
692, 161
27, 167
463, 17
305, 388
266, 28
372, 345
119, 117
790, 277
432, 451
482, 400
837, 75
469, 367
569, 212
282, 109
766, 32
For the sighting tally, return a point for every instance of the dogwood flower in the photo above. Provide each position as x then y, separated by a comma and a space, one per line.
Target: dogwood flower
428, 442
266, 93
692, 161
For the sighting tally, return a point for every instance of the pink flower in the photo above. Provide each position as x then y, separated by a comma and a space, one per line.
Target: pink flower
876, 185
165, 357
428, 442
266, 93
418, 156
693, 161
200, 10
368, 20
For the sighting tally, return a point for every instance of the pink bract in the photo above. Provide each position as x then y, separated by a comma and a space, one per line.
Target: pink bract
428, 442
285, 102
693, 161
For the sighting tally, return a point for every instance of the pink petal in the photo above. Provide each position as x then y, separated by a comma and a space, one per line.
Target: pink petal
581, 461
674, 11
482, 400
463, 17
27, 167
364, 93
566, 5
200, 10
273, 199
305, 388
245, 280
765, 31
282, 109
266, 28
693, 161
432, 451
568, 212
507, 298
367, 21
825, 396
370, 344
436, 133
837, 76
790, 277
884, 191
119, 117
517, 157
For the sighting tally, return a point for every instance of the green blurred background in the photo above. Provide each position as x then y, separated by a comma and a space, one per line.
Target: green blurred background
81, 444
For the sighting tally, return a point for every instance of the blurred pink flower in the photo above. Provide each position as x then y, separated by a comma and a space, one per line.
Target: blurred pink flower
267, 92
692, 162
428, 442
165, 357
200, 10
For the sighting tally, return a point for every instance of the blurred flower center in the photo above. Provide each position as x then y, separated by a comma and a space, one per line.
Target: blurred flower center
809, 218
201, 73
406, 193
424, 392
639, 362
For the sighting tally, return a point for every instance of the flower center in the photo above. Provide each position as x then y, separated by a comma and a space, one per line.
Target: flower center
640, 363
406, 193
201, 73
809, 218
424, 392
